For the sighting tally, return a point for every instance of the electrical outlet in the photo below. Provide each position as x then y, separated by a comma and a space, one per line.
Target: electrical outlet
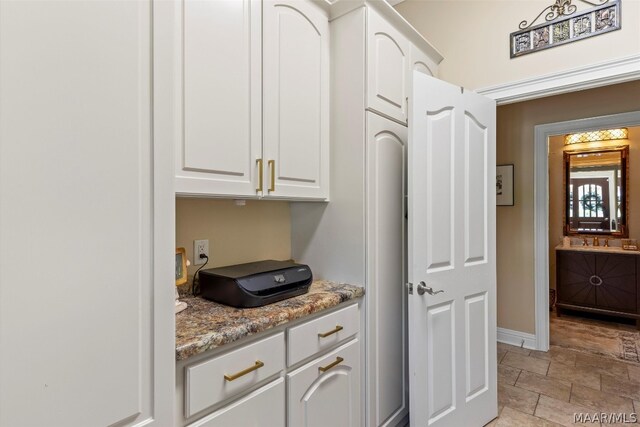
200, 247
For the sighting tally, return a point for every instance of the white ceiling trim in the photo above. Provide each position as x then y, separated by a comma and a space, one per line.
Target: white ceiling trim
394, 2
602, 74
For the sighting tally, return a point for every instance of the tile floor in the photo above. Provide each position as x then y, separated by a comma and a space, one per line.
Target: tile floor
545, 389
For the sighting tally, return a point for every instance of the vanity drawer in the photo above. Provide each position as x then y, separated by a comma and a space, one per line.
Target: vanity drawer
224, 376
321, 333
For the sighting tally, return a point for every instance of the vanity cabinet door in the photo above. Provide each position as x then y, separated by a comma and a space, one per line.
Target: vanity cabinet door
618, 276
326, 392
599, 280
574, 269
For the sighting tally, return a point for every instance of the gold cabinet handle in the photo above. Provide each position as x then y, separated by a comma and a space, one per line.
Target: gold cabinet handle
337, 329
338, 361
244, 372
272, 166
260, 174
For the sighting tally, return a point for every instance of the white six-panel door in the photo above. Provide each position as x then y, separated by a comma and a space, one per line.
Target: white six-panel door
452, 310
296, 99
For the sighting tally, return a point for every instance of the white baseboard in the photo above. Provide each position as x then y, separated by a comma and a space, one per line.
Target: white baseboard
517, 338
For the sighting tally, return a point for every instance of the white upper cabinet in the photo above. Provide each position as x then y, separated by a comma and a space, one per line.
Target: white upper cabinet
229, 49
420, 61
389, 56
220, 142
296, 99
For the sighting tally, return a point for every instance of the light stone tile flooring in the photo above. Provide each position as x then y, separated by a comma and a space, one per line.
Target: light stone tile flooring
546, 389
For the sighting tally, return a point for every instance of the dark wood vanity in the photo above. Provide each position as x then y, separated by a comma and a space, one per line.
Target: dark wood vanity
598, 280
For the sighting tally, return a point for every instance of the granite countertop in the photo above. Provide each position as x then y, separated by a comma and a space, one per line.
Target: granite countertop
601, 249
205, 325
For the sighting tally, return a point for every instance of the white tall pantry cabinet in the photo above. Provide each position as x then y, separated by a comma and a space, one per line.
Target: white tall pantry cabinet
86, 215
360, 236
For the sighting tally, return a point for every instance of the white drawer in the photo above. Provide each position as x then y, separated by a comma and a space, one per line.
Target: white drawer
321, 333
206, 384
263, 407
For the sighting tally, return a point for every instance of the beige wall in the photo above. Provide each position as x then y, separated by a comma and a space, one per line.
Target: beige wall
237, 234
556, 191
515, 245
473, 36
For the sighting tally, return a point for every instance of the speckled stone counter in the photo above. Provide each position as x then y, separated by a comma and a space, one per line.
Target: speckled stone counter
205, 325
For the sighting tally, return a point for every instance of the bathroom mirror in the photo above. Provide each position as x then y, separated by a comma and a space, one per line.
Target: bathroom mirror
596, 192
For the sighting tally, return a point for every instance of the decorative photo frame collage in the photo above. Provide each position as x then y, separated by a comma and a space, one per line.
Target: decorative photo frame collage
566, 29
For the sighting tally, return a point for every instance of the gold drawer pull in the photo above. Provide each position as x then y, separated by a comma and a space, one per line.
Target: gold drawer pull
272, 166
260, 174
244, 372
338, 361
331, 332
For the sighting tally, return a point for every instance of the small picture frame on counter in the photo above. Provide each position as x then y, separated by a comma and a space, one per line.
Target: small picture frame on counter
181, 277
181, 266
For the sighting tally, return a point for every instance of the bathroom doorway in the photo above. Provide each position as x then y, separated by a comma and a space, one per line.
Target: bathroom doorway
579, 209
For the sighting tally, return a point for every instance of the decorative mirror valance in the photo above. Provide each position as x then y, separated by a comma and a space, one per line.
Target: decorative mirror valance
564, 24
596, 191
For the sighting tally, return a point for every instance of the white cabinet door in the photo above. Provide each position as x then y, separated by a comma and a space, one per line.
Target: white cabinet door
87, 217
263, 407
218, 149
420, 61
386, 256
452, 256
296, 99
326, 392
388, 58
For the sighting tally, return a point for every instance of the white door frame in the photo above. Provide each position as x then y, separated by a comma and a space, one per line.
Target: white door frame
541, 205
587, 77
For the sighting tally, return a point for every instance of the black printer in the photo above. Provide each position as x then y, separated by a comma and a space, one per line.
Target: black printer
255, 284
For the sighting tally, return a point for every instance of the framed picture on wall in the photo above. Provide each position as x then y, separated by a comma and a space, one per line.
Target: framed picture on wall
504, 185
